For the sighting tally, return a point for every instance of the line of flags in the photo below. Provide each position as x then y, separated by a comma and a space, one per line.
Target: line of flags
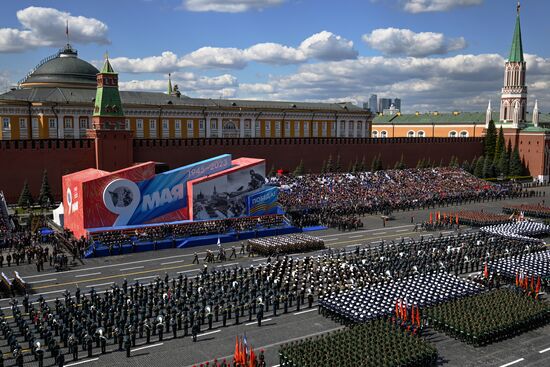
402, 312
244, 355
446, 218
528, 283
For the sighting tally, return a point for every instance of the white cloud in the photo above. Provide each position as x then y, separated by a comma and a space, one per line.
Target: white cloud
393, 41
328, 46
46, 27
322, 46
229, 6
214, 57
461, 82
422, 6
189, 84
166, 62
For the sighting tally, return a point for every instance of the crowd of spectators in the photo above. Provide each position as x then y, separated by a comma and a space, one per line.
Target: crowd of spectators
339, 195
188, 229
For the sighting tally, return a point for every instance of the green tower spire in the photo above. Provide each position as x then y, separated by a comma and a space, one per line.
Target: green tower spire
516, 52
170, 90
107, 98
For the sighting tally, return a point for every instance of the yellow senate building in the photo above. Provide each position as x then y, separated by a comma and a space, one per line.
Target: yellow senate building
56, 99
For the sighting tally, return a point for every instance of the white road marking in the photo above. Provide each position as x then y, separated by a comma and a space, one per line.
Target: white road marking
306, 311
332, 239
354, 245
255, 322
98, 285
402, 230
148, 277
210, 332
133, 268
147, 346
230, 264
172, 262
86, 361
43, 281
544, 350
58, 291
513, 362
187, 271
86, 275
368, 230
112, 265
378, 234
357, 236
261, 259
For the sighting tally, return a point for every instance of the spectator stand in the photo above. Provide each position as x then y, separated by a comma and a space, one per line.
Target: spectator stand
106, 241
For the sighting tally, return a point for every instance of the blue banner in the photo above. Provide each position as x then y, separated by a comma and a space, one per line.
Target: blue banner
167, 192
264, 202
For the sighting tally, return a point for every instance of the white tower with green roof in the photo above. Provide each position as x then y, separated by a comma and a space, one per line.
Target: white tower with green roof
513, 103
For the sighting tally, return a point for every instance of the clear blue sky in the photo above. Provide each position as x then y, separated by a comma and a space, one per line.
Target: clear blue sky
434, 54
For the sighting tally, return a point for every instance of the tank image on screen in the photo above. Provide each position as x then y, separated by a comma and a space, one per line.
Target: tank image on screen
226, 196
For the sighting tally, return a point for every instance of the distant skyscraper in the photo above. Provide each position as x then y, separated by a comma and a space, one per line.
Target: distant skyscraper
384, 104
373, 103
397, 103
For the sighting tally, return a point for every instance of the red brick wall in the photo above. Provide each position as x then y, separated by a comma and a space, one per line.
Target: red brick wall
286, 153
22, 160
531, 149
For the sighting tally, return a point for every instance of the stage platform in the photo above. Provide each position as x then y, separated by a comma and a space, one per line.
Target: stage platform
99, 250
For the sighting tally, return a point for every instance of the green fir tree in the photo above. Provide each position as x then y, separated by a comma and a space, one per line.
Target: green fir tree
478, 170
329, 166
300, 170
45, 196
516, 167
25, 199
490, 140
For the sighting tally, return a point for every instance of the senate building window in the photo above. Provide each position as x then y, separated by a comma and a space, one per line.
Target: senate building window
383, 134
6, 123
464, 134
421, 134
410, 134
374, 133
452, 134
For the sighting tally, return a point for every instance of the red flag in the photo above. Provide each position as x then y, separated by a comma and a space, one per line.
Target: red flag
537, 289
397, 308
517, 279
431, 217
456, 219
405, 312
486, 272
418, 316
533, 283
236, 355
252, 362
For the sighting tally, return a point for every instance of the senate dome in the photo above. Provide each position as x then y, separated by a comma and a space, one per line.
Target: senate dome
63, 69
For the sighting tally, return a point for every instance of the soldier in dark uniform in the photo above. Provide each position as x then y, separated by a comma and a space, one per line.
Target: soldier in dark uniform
127, 345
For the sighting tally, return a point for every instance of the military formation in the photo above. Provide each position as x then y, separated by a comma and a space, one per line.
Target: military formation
378, 343
480, 219
530, 210
289, 244
489, 317
524, 230
379, 300
533, 265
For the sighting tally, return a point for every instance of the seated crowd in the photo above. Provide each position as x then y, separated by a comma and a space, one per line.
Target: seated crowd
184, 230
345, 194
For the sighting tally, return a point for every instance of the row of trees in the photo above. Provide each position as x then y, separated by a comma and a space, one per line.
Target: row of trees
498, 159
45, 197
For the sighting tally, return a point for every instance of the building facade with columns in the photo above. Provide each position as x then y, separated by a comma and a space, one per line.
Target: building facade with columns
55, 101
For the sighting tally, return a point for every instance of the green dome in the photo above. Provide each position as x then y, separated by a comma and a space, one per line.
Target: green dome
65, 69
